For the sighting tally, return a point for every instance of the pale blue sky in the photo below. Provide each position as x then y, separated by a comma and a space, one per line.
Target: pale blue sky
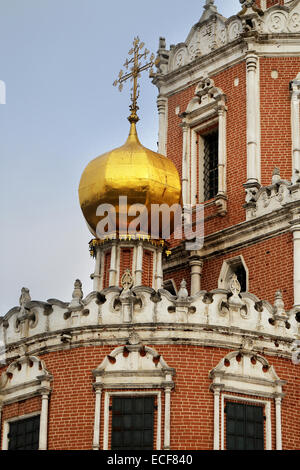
58, 59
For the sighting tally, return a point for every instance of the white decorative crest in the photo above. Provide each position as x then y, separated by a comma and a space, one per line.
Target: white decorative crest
126, 280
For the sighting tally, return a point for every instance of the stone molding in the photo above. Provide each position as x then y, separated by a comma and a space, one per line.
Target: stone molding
24, 378
159, 318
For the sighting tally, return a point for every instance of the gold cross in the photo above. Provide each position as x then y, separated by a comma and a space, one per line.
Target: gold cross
134, 74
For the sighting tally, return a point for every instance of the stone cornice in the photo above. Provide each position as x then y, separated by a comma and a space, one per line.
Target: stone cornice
264, 45
162, 334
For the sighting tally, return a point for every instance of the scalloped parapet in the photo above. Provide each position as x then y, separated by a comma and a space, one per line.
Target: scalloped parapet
221, 317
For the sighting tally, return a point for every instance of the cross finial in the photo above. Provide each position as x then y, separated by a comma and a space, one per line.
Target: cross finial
136, 67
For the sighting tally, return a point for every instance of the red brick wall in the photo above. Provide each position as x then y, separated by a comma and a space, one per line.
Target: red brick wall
236, 142
276, 140
126, 257
269, 269
270, 3
147, 274
72, 402
178, 276
107, 258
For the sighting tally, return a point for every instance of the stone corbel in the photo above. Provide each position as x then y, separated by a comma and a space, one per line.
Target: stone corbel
221, 204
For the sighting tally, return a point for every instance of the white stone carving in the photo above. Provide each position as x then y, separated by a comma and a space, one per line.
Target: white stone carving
212, 31
219, 309
179, 58
234, 30
282, 19
271, 198
276, 22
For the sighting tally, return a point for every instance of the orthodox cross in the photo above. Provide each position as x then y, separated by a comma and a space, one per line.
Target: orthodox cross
135, 66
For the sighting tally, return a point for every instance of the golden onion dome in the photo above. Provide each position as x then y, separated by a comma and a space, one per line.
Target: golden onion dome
143, 176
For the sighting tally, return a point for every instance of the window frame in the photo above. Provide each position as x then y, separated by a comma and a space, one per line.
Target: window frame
206, 109
6, 426
132, 394
265, 404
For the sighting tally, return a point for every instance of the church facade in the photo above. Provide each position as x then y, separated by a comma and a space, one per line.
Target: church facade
178, 349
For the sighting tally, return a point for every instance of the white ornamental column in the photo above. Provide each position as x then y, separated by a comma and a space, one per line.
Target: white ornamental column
253, 157
97, 276
222, 149
96, 437
216, 418
113, 268
167, 430
196, 265
159, 269
162, 105
278, 423
295, 229
185, 178
139, 265
295, 101
43, 436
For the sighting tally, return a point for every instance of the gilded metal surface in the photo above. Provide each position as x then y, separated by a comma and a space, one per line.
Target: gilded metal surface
132, 170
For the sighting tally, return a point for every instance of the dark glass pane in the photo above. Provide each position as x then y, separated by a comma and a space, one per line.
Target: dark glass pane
24, 434
244, 427
132, 426
211, 171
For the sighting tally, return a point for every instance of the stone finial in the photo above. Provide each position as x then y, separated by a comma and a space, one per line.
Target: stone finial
279, 304
235, 288
24, 298
276, 176
77, 295
210, 9
183, 292
77, 292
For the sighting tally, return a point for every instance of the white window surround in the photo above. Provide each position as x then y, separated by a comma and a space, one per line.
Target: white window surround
119, 373
26, 378
227, 271
207, 108
5, 442
245, 376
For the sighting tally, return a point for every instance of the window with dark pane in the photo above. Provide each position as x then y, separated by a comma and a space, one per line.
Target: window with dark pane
24, 434
132, 423
244, 427
211, 170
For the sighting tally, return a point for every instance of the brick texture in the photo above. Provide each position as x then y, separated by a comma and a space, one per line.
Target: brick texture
72, 402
